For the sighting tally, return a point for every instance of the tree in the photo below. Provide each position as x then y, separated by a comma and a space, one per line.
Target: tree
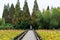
48, 8
2, 21
5, 12
54, 24
35, 10
47, 17
11, 13
39, 19
26, 15
55, 18
16, 16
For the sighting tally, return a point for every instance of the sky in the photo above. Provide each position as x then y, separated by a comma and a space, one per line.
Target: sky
41, 3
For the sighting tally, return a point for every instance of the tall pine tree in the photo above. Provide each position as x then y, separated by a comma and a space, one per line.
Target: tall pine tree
26, 15
47, 17
11, 13
35, 9
17, 14
5, 13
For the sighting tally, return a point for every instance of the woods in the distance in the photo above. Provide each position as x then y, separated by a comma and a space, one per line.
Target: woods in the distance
21, 19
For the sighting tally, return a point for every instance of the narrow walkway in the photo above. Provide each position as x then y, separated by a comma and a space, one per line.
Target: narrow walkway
29, 36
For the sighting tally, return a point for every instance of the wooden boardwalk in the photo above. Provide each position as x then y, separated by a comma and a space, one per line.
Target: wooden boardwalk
29, 36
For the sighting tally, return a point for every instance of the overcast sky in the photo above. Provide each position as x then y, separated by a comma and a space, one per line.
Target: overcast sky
41, 3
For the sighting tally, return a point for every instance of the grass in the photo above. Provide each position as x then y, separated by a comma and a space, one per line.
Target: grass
9, 34
49, 34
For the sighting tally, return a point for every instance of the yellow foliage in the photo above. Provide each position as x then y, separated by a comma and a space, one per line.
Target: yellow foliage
49, 34
9, 34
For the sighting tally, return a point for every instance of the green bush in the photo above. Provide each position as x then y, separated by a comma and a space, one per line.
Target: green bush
2, 21
6, 26
54, 24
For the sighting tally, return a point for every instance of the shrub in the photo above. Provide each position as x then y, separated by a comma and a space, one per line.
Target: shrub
2, 21
6, 26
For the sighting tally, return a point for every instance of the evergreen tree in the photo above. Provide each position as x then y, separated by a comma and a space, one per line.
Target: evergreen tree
17, 7
11, 13
47, 17
5, 13
17, 14
35, 9
26, 15
48, 8
55, 20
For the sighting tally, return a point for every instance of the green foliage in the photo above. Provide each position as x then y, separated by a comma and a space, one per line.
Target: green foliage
2, 21
21, 19
55, 20
39, 19
6, 26
5, 11
17, 14
56, 13
54, 24
22, 25
47, 15
34, 15
26, 16
11, 13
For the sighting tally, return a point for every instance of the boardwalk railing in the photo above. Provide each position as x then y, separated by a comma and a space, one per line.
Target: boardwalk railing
37, 36
19, 37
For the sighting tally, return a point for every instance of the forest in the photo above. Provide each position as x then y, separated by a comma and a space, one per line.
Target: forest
15, 18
